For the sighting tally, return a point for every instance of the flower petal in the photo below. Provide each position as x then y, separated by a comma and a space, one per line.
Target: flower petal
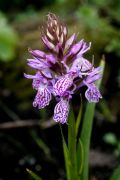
70, 41
37, 53
48, 43
36, 76
61, 111
81, 65
38, 64
93, 76
76, 47
37, 79
36, 83
51, 58
84, 47
62, 85
42, 98
93, 94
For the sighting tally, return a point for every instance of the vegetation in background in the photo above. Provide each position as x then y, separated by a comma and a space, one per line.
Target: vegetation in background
8, 40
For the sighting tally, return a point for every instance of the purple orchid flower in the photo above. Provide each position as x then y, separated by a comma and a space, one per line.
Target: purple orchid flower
62, 70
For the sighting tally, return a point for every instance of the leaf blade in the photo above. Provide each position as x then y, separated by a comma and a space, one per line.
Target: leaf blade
79, 116
72, 145
33, 175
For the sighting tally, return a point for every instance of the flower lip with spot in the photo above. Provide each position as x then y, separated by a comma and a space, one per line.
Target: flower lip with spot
93, 94
43, 97
61, 111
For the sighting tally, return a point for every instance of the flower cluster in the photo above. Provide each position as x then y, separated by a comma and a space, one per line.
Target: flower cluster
62, 70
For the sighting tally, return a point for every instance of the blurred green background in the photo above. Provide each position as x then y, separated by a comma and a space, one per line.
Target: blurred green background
28, 137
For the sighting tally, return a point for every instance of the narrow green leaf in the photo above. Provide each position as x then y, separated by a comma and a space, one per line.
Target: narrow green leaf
66, 155
33, 175
79, 117
67, 159
72, 145
85, 135
116, 174
80, 158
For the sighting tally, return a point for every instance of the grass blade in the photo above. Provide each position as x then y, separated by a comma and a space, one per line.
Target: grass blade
33, 175
66, 155
80, 158
79, 117
67, 159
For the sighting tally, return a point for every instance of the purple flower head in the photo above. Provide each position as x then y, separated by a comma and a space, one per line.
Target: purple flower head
62, 70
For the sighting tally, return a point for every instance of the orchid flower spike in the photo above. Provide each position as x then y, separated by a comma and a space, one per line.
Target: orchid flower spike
62, 70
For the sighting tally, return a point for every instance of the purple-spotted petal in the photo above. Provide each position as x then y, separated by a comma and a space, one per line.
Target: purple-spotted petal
62, 85
61, 111
93, 94
37, 79
36, 83
43, 97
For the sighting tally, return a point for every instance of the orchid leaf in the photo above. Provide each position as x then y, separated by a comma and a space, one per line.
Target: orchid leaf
79, 117
66, 155
80, 158
67, 159
72, 145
